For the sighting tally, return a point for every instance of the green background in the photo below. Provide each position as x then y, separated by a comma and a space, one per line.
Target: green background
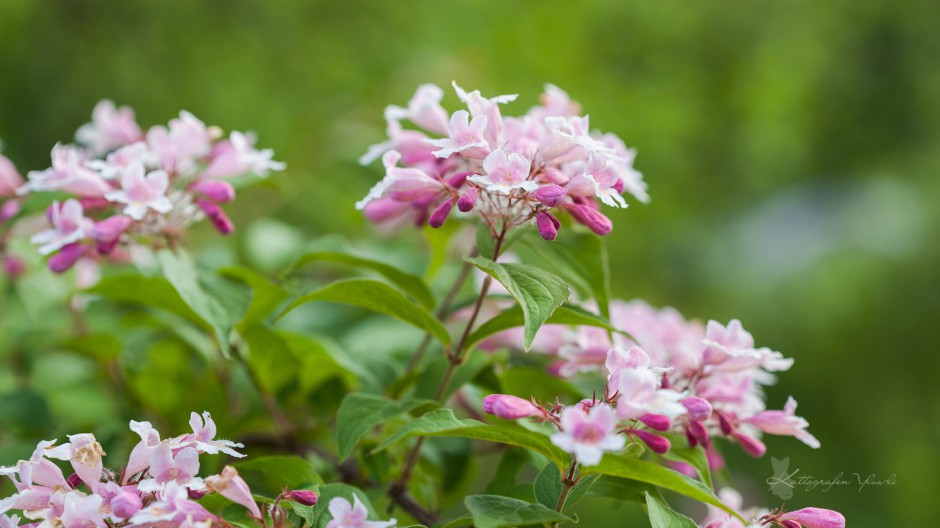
791, 148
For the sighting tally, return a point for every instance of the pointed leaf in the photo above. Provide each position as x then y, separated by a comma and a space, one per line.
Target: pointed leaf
494, 511
662, 516
360, 413
548, 486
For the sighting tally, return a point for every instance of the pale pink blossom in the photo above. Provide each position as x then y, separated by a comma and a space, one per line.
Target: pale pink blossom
122, 159
10, 179
589, 434
464, 136
505, 173
165, 468
203, 437
172, 506
182, 144
69, 225
68, 173
731, 348
238, 156
402, 184
353, 515
111, 127
141, 193
84, 452
234, 488
141, 455
424, 109
785, 423
488, 107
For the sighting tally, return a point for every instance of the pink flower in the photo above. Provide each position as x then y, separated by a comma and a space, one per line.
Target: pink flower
639, 387
509, 407
488, 107
505, 173
464, 136
232, 487
812, 518
598, 179
107, 233
69, 225
588, 434
238, 156
166, 468
215, 190
590, 217
346, 515
203, 437
142, 193
10, 179
172, 506
68, 173
217, 216
142, 453
731, 348
122, 159
699, 408
424, 109
402, 184
785, 423
178, 147
110, 128
84, 452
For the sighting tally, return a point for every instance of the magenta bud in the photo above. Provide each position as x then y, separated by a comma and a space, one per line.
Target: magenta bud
726, 428
813, 518
305, 497
550, 195
196, 494
715, 460
592, 218
217, 216
9, 209
751, 445
107, 232
126, 504
699, 408
74, 481
457, 180
440, 214
94, 203
690, 438
790, 524
699, 432
656, 421
467, 200
509, 407
67, 257
547, 225
658, 444
13, 266
215, 190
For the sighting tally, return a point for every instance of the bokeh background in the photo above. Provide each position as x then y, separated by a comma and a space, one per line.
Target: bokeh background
791, 150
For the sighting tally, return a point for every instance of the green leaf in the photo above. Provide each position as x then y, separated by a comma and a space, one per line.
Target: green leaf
537, 383
413, 285
566, 314
538, 292
378, 297
620, 488
360, 413
695, 457
266, 295
548, 486
494, 511
442, 422
662, 516
635, 469
580, 490
582, 260
268, 475
153, 292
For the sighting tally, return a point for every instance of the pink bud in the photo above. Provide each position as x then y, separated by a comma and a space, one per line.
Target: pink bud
74, 481
216, 216
440, 214
751, 445
699, 432
656, 421
125, 504
196, 494
13, 266
790, 524
234, 488
690, 438
592, 218
715, 460
107, 232
305, 497
509, 407
9, 209
457, 180
726, 428
815, 518
94, 203
67, 257
655, 442
468, 200
215, 190
699, 408
550, 195
547, 225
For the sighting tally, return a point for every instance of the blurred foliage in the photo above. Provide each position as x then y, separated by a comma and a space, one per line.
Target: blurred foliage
790, 149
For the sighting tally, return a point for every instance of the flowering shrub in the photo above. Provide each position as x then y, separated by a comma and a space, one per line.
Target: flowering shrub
593, 396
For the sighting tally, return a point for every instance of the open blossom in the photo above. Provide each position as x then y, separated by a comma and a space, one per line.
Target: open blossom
10, 179
203, 437
353, 515
84, 452
506, 170
784, 422
232, 487
137, 188
166, 467
589, 434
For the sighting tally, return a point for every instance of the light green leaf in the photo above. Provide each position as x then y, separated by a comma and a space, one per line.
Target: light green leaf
378, 297
152, 292
360, 413
266, 295
494, 511
582, 260
538, 292
442, 422
413, 285
548, 486
580, 490
662, 516
695, 457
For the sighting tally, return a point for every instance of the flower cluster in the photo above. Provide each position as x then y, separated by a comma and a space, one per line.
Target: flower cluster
130, 186
806, 517
669, 375
508, 170
159, 485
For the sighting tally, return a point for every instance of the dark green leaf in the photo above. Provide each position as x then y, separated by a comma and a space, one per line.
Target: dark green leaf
566, 314
548, 486
662, 516
695, 457
582, 260
494, 511
360, 413
538, 292
266, 296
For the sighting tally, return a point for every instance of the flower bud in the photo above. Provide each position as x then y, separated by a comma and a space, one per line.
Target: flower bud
217, 216
699, 408
196, 494
550, 195
658, 422
457, 180
126, 504
440, 214
67, 257
726, 427
215, 190
751, 445
305, 497
592, 218
547, 225
9, 209
813, 518
13, 266
699, 432
509, 407
234, 488
74, 481
658, 444
468, 200
107, 232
